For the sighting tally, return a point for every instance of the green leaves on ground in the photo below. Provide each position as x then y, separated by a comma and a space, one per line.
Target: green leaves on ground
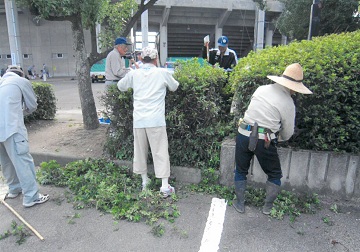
286, 204
111, 189
19, 231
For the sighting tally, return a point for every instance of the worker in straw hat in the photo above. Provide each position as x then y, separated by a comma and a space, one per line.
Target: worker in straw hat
270, 117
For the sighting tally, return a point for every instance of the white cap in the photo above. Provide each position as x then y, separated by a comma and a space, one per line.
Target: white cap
149, 52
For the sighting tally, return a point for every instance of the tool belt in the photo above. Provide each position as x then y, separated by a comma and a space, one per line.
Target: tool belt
249, 127
254, 135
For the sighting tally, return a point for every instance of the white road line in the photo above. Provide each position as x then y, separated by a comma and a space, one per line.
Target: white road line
214, 226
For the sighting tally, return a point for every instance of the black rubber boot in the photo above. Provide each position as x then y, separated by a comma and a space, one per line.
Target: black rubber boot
272, 192
240, 187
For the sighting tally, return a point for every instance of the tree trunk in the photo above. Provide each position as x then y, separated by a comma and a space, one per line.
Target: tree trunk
87, 101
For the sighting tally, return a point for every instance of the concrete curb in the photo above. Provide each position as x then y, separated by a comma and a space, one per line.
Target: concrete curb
181, 174
308, 171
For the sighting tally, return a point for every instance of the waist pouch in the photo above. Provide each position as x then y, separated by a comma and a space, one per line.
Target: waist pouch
254, 137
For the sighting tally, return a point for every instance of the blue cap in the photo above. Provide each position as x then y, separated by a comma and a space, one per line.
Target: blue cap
121, 41
223, 41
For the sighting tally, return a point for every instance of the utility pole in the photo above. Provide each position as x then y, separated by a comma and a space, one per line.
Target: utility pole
314, 26
145, 27
13, 32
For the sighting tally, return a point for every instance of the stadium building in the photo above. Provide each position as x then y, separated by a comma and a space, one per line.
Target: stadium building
176, 27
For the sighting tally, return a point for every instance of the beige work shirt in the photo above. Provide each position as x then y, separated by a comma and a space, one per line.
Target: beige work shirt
115, 66
272, 107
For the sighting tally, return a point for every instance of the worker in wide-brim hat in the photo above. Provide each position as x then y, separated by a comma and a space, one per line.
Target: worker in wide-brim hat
270, 117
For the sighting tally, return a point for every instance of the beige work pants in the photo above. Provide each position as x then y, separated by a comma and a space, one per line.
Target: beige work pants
156, 137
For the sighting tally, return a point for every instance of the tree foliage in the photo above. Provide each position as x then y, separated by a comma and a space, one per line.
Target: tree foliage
336, 16
117, 18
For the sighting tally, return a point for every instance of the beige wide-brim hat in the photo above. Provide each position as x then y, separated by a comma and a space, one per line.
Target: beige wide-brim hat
292, 78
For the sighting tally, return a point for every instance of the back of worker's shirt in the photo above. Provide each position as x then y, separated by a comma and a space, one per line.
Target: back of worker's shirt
149, 85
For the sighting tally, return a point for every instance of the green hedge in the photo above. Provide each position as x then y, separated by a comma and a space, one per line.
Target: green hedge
46, 100
197, 117
330, 118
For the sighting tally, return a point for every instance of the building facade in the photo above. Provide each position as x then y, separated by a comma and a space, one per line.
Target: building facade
181, 26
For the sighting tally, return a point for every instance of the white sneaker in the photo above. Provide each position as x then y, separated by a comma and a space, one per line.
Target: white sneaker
167, 191
42, 199
11, 195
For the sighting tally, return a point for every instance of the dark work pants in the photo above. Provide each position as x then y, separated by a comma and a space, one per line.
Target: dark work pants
268, 159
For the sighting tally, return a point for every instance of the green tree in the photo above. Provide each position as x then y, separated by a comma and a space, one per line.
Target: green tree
116, 16
336, 16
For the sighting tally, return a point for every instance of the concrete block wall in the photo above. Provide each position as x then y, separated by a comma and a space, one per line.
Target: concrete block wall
305, 171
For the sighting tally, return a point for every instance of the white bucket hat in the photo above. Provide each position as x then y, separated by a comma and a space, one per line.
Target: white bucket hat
292, 78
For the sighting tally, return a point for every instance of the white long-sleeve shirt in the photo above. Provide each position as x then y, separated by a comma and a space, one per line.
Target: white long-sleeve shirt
149, 84
17, 98
272, 107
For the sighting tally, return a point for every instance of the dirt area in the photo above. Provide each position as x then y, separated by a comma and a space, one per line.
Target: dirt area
67, 138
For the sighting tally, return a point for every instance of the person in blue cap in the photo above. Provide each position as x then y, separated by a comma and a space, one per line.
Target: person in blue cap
223, 55
115, 68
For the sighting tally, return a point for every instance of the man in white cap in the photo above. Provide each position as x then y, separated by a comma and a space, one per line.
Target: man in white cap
223, 55
115, 68
17, 98
149, 84
270, 117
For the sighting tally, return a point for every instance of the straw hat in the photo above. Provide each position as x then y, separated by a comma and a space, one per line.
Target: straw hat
292, 78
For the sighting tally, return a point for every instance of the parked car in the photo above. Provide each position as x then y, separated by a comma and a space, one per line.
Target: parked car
97, 71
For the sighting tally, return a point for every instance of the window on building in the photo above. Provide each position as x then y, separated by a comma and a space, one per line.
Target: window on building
58, 55
8, 56
26, 56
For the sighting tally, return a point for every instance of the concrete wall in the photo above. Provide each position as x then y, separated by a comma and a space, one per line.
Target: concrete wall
42, 43
306, 171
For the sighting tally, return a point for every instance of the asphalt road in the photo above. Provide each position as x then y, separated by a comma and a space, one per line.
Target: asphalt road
68, 99
202, 226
